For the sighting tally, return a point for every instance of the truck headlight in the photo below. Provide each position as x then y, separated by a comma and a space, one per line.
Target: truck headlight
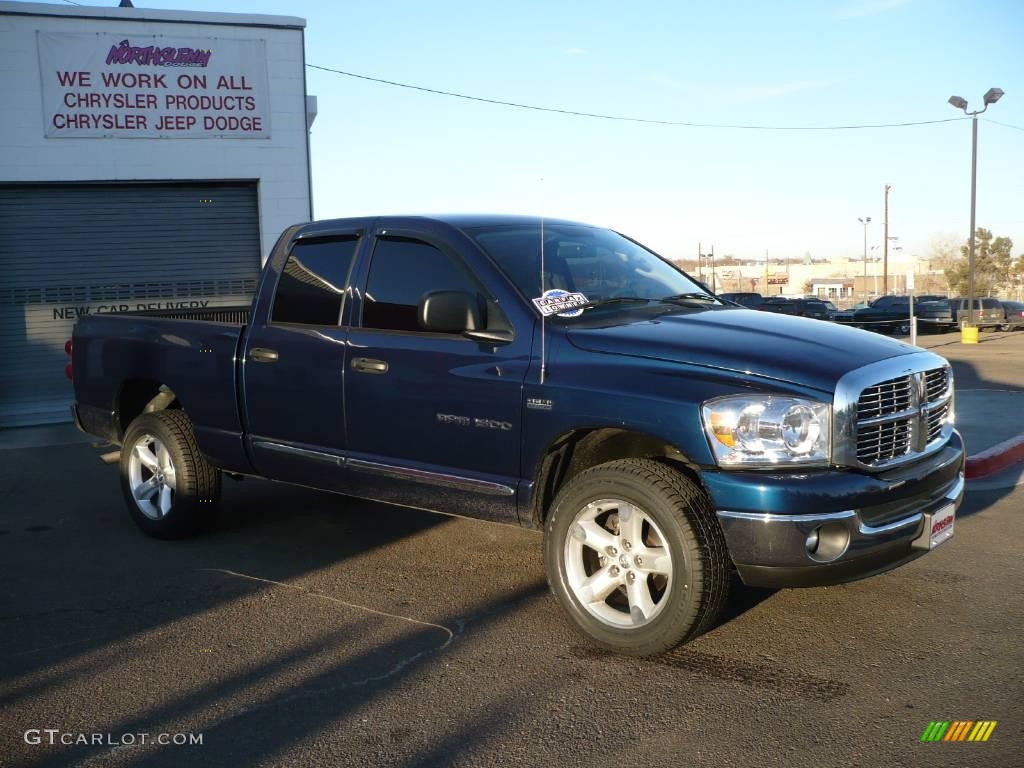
768, 431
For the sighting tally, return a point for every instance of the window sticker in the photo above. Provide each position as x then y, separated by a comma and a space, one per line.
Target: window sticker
562, 303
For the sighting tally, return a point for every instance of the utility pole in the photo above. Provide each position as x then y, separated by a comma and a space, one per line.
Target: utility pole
764, 288
700, 260
713, 289
885, 257
865, 221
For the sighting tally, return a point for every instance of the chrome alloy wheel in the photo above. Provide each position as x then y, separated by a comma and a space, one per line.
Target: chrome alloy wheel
151, 477
617, 563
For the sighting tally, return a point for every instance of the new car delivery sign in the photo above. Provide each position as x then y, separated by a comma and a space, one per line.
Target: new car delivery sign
101, 85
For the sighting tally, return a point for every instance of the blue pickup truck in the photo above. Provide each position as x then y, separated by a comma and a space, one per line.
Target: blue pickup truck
550, 374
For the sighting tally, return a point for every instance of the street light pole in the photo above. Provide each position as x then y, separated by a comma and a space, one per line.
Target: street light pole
865, 221
974, 197
992, 95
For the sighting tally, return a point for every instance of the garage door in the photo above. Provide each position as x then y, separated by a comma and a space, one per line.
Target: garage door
73, 249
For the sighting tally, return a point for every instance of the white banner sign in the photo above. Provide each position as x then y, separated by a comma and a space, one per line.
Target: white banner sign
101, 85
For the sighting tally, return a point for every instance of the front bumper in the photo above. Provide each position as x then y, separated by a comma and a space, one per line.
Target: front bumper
770, 547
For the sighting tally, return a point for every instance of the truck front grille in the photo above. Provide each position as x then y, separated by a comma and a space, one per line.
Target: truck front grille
936, 418
936, 383
883, 442
890, 396
899, 417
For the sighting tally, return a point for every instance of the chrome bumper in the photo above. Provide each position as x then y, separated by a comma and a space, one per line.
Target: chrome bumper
776, 550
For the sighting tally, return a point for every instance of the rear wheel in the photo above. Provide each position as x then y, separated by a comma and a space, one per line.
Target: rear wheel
636, 557
170, 488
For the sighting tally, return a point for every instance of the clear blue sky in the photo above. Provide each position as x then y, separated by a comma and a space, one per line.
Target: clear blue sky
379, 149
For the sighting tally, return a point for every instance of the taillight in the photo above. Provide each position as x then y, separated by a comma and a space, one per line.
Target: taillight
67, 347
69, 372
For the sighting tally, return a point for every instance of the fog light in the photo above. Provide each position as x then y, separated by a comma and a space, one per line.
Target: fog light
828, 542
812, 541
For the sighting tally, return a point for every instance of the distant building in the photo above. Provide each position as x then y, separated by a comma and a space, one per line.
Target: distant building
832, 289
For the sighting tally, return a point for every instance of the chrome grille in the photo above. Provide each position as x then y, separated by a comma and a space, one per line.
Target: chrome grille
936, 419
936, 383
893, 417
890, 396
883, 442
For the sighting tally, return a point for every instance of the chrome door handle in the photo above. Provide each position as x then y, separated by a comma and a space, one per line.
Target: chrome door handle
368, 365
262, 355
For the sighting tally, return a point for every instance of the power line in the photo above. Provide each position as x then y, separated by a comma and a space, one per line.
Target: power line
72, 2
1005, 125
628, 119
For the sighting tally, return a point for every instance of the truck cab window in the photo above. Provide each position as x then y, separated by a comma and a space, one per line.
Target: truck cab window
313, 280
401, 272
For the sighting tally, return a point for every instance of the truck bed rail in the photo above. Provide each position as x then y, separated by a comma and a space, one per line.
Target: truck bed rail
235, 315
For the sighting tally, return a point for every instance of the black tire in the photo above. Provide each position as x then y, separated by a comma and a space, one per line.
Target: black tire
197, 483
701, 567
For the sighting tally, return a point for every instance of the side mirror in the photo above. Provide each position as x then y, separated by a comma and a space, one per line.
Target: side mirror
451, 312
499, 336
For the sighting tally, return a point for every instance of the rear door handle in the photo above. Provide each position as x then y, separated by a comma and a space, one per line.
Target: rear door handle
368, 365
262, 355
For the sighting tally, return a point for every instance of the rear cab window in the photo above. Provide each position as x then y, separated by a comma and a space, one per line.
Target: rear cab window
311, 288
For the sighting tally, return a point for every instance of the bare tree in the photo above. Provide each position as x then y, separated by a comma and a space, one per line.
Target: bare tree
943, 255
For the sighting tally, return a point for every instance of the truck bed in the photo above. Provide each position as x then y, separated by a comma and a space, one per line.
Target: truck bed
193, 352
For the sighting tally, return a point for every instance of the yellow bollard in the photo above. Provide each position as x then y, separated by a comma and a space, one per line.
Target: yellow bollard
969, 335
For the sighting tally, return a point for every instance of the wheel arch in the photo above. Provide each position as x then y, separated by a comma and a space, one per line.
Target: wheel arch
576, 450
138, 396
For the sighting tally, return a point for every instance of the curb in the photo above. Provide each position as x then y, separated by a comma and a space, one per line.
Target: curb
996, 458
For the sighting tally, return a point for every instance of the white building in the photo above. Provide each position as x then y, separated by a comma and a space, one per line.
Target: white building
148, 159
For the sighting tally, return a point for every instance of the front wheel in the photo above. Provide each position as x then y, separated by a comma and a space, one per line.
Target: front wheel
635, 555
170, 488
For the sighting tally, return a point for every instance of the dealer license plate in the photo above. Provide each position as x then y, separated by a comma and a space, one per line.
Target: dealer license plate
942, 525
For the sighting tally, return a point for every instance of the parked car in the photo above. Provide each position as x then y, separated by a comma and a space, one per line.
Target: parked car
748, 300
657, 439
813, 308
988, 312
934, 316
846, 315
831, 308
1014, 311
779, 305
889, 314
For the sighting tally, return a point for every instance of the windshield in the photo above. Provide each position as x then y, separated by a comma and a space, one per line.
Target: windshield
598, 263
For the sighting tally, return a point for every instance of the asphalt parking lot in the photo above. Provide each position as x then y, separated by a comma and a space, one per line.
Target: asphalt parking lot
310, 629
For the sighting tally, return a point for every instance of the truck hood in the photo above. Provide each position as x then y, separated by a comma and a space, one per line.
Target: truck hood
797, 350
